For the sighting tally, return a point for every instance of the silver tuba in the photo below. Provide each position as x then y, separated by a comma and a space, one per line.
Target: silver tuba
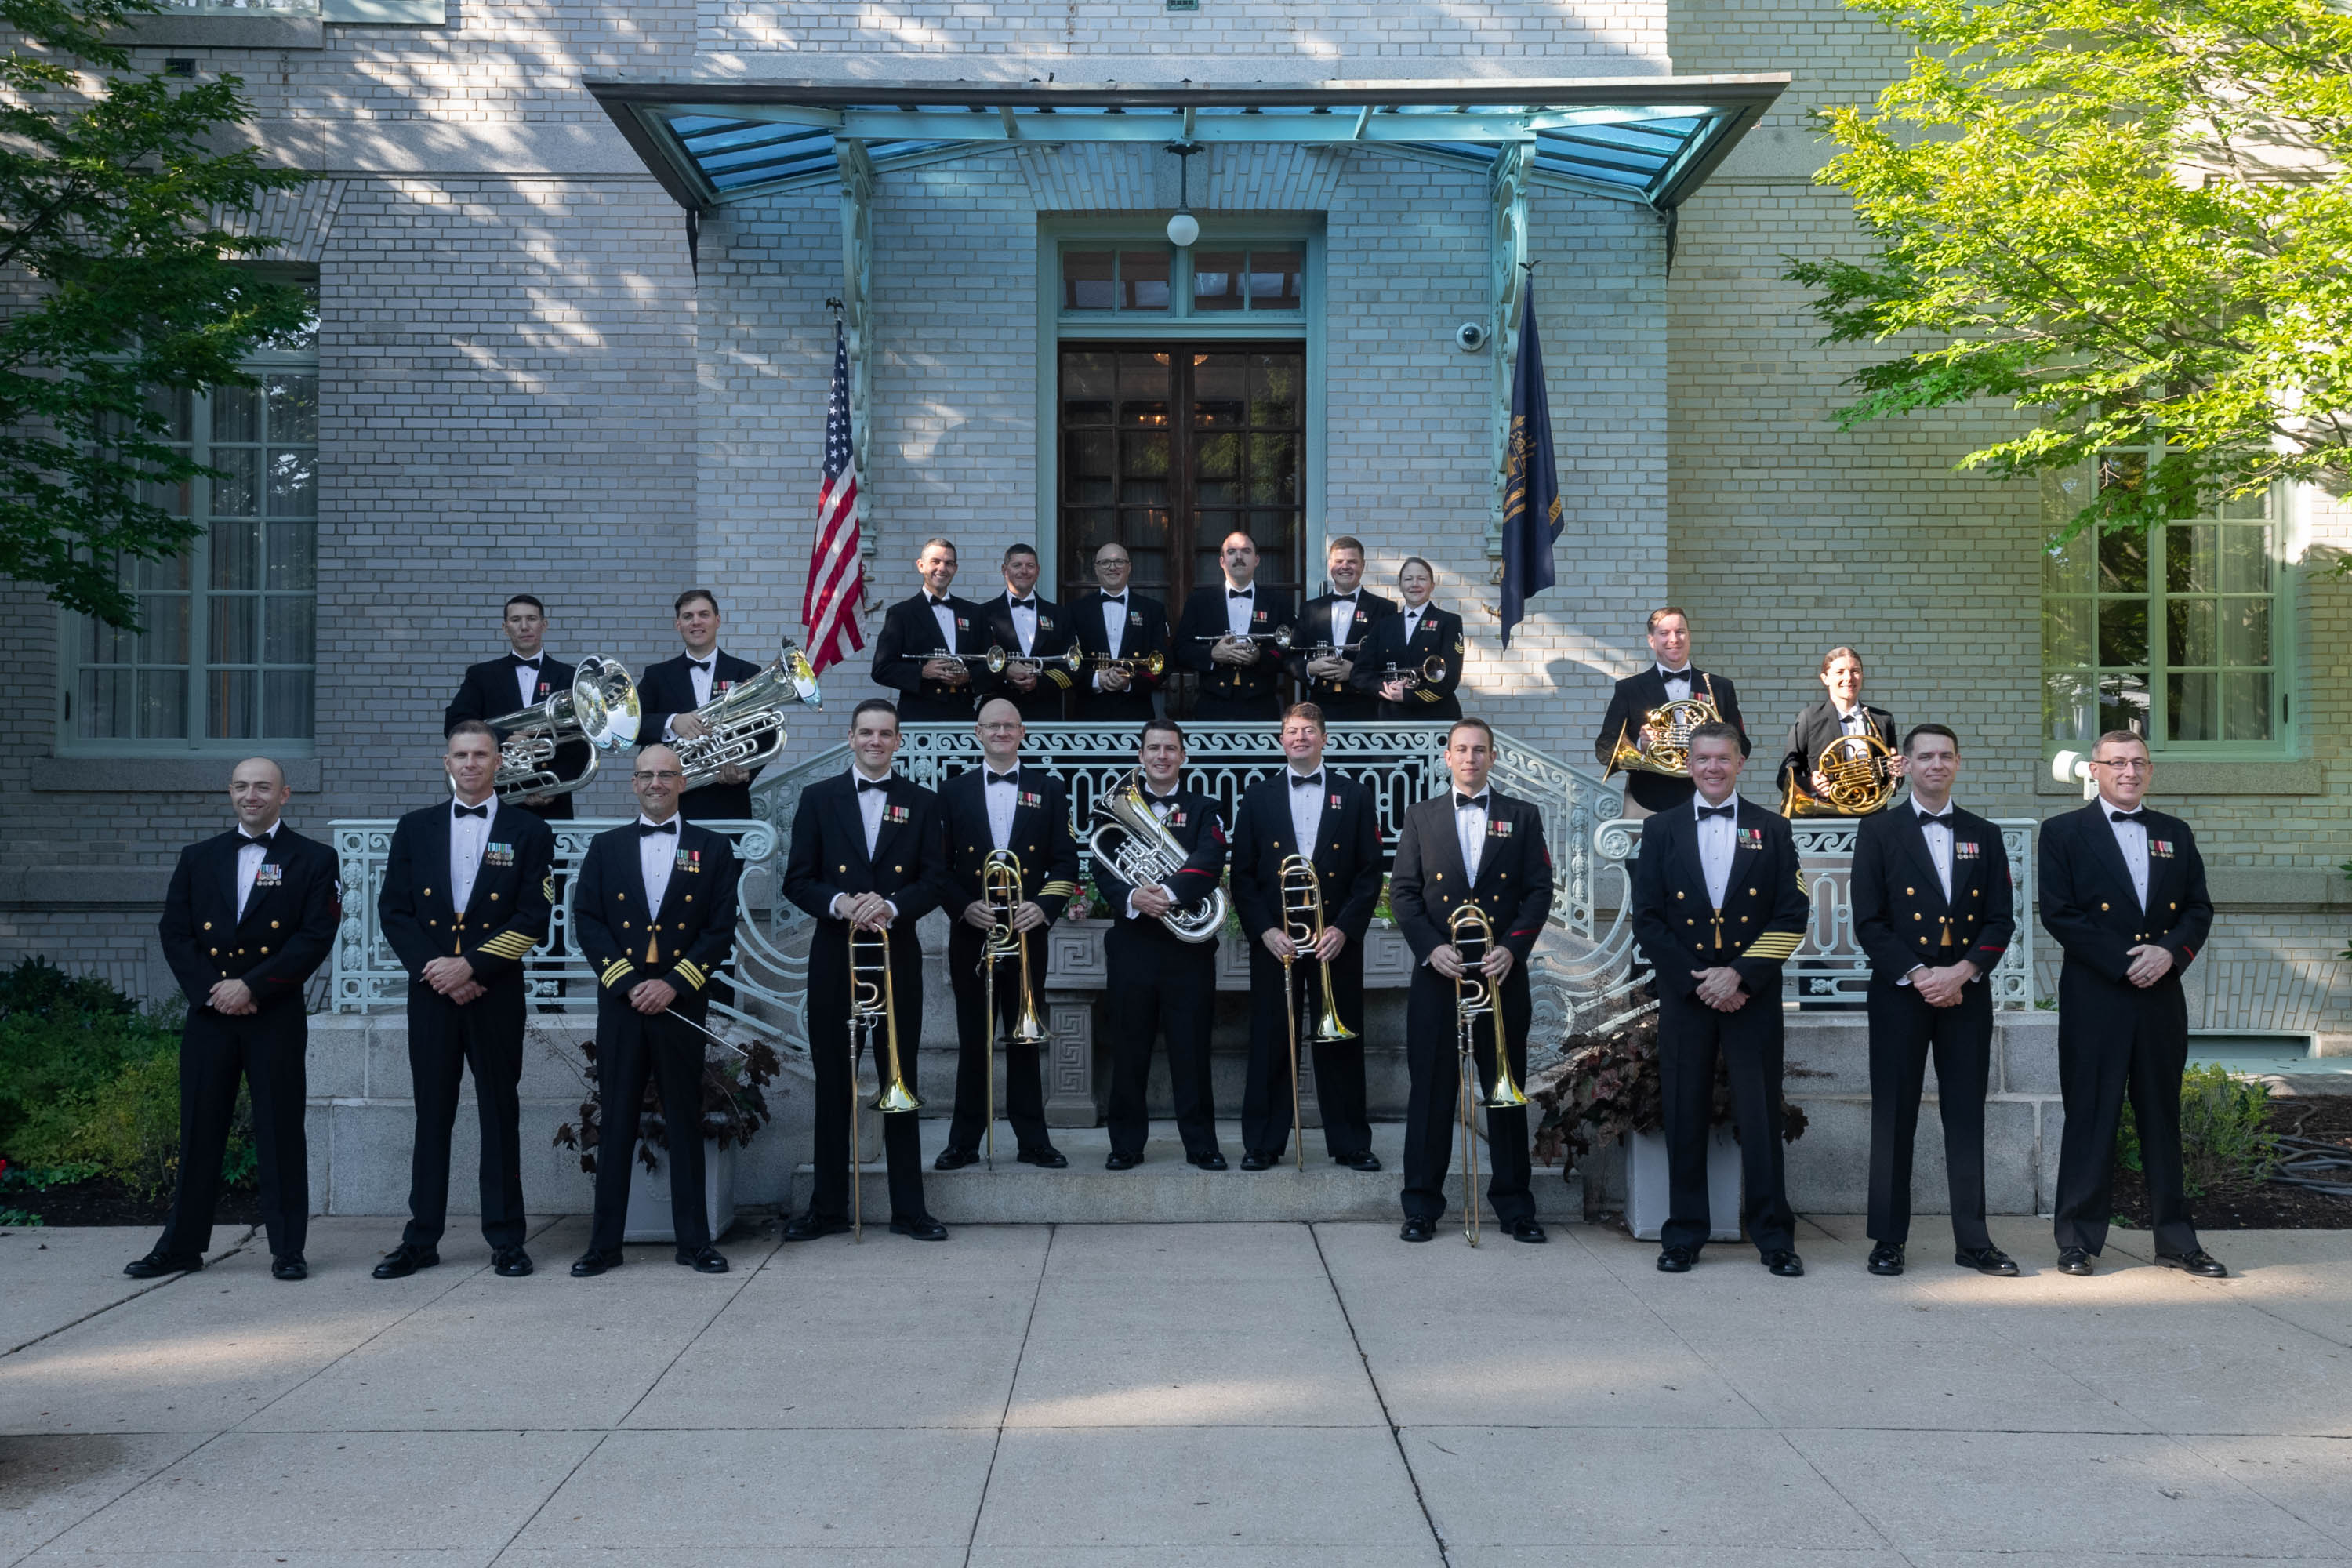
744, 725
1145, 855
601, 708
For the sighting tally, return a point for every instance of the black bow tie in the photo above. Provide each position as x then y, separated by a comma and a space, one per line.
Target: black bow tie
864, 784
1152, 799
1465, 802
1239, 593
1025, 604
701, 664
646, 829
522, 663
1944, 821
1343, 598
262, 840
935, 604
1707, 810
1666, 674
1013, 777
1114, 598
2138, 817
482, 810
1306, 781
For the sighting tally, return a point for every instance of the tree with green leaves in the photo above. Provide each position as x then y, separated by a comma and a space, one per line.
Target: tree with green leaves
115, 208
2130, 219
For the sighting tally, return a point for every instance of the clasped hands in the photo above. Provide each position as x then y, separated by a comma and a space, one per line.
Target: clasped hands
945, 671
1446, 959
1230, 649
2149, 964
1719, 988
1943, 987
1325, 949
871, 912
982, 916
451, 977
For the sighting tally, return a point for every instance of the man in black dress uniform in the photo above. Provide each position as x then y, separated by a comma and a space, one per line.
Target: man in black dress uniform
463, 947
655, 909
1307, 810
1718, 908
1114, 622
2123, 890
1473, 845
250, 915
1932, 909
1221, 634
869, 849
524, 678
1025, 624
1340, 620
916, 631
1002, 805
1156, 979
1670, 678
672, 690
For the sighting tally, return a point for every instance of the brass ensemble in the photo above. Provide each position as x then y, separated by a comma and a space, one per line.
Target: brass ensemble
873, 1007
1302, 922
1859, 772
1661, 745
1471, 935
743, 727
601, 708
1133, 842
1000, 889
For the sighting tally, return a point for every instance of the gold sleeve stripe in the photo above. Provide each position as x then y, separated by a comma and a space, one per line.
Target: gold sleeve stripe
615, 969
509, 944
1058, 889
1775, 946
692, 973
547, 889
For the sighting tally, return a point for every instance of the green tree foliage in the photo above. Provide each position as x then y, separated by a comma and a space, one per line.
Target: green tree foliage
122, 279
2130, 218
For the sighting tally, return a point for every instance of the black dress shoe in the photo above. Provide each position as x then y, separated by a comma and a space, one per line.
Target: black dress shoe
1527, 1230
1367, 1160
1787, 1265
1257, 1162
1417, 1230
590, 1263
156, 1265
404, 1260
1677, 1259
2200, 1263
1987, 1260
1118, 1162
2074, 1260
953, 1158
1209, 1162
1886, 1258
703, 1259
1047, 1159
810, 1225
922, 1227
511, 1262
289, 1265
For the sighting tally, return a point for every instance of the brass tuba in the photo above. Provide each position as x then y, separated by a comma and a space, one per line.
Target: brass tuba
601, 708
1471, 935
1137, 844
1859, 778
1661, 745
744, 725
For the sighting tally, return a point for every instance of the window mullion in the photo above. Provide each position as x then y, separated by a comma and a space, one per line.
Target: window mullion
200, 575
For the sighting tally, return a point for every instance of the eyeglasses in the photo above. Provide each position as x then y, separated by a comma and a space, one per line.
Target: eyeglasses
665, 773
2127, 764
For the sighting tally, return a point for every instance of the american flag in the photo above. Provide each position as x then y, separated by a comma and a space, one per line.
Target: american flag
836, 579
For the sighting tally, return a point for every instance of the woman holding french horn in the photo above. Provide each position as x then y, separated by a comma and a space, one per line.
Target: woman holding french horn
1413, 660
1841, 759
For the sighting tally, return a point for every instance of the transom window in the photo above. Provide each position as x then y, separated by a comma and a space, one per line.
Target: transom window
1160, 282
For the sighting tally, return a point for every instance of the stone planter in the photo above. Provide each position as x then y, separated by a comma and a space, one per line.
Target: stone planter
1648, 1200
649, 1196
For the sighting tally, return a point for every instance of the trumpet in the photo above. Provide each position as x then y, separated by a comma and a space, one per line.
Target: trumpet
743, 727
1140, 664
1302, 922
1860, 777
1431, 672
1278, 639
1473, 936
998, 661
873, 1009
1000, 889
1133, 842
1662, 743
601, 708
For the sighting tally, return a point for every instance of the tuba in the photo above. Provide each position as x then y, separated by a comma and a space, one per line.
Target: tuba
601, 708
745, 723
1856, 770
1137, 844
1661, 745
1471, 935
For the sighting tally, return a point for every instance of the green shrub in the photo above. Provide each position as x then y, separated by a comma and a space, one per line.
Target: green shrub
61, 1039
2225, 1137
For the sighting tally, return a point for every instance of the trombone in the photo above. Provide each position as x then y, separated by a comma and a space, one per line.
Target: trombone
1000, 889
1302, 922
872, 1005
1473, 936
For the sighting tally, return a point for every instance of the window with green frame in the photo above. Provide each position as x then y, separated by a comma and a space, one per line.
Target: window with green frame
225, 653
2178, 634
1159, 282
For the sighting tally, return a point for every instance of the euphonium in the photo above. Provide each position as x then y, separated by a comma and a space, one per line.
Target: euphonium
1471, 935
1859, 778
744, 725
1661, 745
1146, 854
601, 708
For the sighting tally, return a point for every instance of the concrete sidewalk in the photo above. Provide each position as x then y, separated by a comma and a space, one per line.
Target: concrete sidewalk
1237, 1394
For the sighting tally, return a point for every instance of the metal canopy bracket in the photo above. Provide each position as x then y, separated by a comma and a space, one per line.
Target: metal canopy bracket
856, 293
1507, 287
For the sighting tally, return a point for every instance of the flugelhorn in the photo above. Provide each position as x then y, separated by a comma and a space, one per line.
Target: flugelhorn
601, 708
1133, 842
873, 1011
1860, 778
1000, 889
1661, 744
1471, 935
743, 726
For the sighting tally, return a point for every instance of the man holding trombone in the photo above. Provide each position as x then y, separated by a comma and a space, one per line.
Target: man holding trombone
1472, 849
1306, 876
1012, 867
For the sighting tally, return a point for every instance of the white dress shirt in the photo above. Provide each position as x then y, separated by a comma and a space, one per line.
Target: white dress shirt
467, 834
1025, 622
1238, 611
1412, 615
1717, 839
1678, 683
871, 803
1114, 614
1343, 618
699, 670
250, 854
656, 857
1852, 721
1003, 795
944, 613
1306, 808
527, 678
1470, 829
1938, 835
2131, 837
1160, 806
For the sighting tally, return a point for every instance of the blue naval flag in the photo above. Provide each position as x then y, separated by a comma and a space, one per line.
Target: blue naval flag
1532, 518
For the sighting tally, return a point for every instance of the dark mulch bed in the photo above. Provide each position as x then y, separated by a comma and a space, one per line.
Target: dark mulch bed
2265, 1206
107, 1201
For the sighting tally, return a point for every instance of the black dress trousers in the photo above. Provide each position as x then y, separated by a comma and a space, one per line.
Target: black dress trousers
445, 1042
1432, 1116
830, 1054
2140, 1051
629, 1051
1904, 1032
1690, 1036
1339, 1064
266, 1049
1025, 1085
1157, 983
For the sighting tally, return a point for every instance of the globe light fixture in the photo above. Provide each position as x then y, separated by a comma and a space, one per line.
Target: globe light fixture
1184, 228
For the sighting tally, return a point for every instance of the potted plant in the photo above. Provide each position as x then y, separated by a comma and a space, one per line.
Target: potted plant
733, 1108
1605, 1087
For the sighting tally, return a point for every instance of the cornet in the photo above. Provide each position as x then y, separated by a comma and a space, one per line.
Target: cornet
1302, 922
1860, 779
601, 708
873, 1008
1000, 889
1473, 936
